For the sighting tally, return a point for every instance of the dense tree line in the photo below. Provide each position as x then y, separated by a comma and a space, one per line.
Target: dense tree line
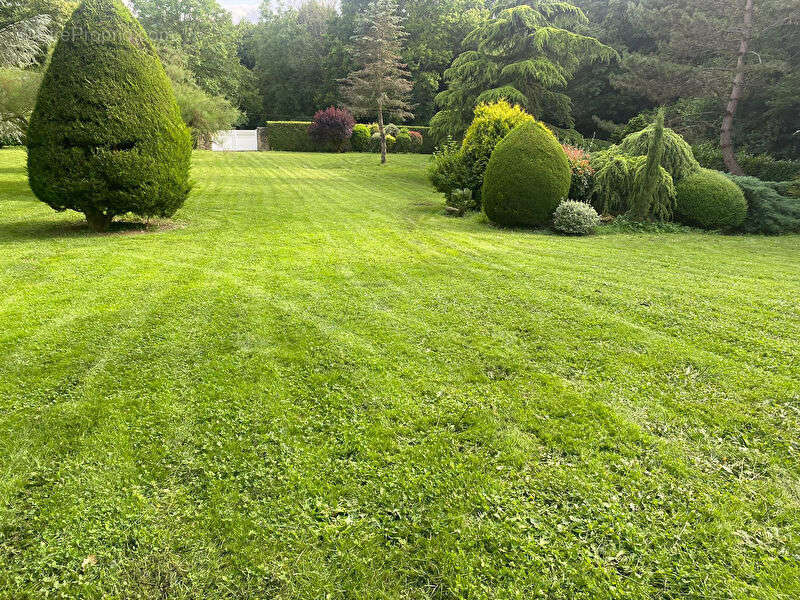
589, 64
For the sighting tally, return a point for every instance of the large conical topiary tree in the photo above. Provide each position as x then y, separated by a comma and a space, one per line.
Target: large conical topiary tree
106, 137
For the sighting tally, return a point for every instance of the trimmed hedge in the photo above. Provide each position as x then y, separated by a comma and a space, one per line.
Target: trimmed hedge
710, 200
106, 136
292, 136
527, 177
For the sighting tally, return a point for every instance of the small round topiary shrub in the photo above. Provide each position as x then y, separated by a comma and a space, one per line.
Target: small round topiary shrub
527, 177
360, 140
710, 200
106, 136
403, 143
576, 218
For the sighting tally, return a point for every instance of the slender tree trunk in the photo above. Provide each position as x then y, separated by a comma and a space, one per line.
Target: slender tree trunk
98, 221
382, 132
725, 140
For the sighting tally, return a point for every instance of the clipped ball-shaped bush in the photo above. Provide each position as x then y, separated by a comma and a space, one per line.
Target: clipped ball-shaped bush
392, 130
710, 200
403, 143
527, 177
576, 218
106, 137
678, 159
359, 141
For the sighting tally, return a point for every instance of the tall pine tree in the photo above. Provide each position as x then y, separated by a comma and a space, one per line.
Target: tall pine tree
382, 83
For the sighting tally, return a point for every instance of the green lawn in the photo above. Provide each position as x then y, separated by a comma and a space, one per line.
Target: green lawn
318, 386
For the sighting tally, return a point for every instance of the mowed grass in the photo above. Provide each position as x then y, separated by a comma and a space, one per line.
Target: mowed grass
318, 386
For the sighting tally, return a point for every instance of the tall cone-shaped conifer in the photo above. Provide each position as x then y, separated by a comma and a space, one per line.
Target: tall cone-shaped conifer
106, 137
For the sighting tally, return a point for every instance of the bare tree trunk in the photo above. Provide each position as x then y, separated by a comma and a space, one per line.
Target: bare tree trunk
725, 140
98, 220
382, 132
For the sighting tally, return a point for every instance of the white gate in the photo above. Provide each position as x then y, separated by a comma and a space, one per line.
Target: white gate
236, 140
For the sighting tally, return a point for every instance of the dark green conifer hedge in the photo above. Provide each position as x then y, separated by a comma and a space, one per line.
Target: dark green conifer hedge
106, 137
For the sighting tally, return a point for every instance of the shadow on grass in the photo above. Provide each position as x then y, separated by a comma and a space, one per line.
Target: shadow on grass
43, 229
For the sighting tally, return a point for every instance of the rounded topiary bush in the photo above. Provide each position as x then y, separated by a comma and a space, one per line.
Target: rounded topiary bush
527, 177
403, 142
710, 200
360, 140
106, 136
576, 218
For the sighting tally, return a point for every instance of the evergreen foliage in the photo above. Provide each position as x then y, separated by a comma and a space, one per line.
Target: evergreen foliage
106, 136
524, 55
576, 218
23, 35
527, 177
491, 124
647, 179
710, 200
360, 140
448, 170
677, 157
616, 185
381, 84
17, 99
768, 211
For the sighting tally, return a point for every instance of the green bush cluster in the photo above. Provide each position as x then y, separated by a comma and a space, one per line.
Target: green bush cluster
616, 184
620, 171
106, 137
769, 211
761, 166
360, 140
463, 165
292, 136
527, 177
491, 124
710, 200
447, 170
576, 218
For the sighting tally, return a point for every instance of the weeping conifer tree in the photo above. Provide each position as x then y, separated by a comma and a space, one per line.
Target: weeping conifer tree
106, 137
647, 179
526, 54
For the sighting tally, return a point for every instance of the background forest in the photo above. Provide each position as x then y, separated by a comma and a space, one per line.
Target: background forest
602, 68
